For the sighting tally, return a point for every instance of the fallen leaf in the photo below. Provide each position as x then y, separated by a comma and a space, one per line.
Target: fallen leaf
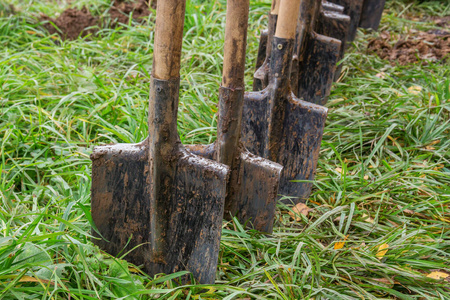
438, 275
368, 219
415, 89
340, 245
381, 75
382, 249
339, 170
298, 209
366, 177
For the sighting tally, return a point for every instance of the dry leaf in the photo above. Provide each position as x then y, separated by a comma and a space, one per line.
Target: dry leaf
415, 89
438, 275
339, 170
340, 245
381, 75
26, 278
298, 209
368, 219
366, 177
382, 249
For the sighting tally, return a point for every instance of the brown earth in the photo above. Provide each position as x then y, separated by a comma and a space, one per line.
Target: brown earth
121, 10
73, 23
425, 47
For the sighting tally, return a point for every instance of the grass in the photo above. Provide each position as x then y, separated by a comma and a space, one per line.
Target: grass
383, 176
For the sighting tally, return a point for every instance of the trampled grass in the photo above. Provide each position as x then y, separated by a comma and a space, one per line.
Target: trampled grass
383, 177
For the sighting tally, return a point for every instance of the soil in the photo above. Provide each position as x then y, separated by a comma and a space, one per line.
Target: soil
442, 21
121, 10
73, 23
425, 47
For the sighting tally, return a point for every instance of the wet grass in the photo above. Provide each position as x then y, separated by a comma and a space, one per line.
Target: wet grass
383, 177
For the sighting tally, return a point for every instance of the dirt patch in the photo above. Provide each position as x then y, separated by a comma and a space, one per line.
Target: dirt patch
121, 10
73, 23
423, 47
442, 21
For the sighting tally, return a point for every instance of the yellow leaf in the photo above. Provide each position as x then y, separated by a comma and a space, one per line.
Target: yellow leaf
438, 275
340, 245
382, 249
298, 209
339, 170
415, 90
368, 219
26, 278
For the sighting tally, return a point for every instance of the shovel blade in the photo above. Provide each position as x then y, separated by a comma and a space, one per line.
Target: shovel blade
255, 188
121, 210
317, 65
299, 146
372, 11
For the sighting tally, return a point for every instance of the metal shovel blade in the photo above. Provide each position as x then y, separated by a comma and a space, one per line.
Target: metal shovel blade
372, 11
179, 228
316, 67
293, 139
256, 188
353, 9
299, 147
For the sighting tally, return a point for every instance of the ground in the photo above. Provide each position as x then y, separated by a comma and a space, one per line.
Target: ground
377, 225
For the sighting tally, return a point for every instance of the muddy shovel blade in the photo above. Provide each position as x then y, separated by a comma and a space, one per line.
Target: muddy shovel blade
353, 9
317, 67
335, 25
258, 182
298, 150
372, 11
332, 7
261, 56
156, 200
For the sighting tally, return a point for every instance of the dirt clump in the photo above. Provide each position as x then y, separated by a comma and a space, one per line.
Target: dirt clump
72, 23
425, 47
121, 10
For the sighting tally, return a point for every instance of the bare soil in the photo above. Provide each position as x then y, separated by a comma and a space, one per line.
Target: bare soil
423, 47
73, 23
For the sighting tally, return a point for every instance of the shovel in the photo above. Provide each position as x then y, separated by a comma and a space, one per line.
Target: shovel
335, 24
313, 74
314, 60
155, 199
279, 126
328, 6
371, 13
253, 183
260, 78
353, 9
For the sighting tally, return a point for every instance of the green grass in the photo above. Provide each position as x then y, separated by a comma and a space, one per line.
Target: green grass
383, 177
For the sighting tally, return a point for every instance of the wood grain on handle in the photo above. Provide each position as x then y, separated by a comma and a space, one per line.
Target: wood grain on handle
168, 39
235, 43
287, 19
275, 7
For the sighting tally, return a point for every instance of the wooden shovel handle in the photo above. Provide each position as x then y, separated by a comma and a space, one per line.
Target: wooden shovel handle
275, 7
235, 43
168, 39
287, 19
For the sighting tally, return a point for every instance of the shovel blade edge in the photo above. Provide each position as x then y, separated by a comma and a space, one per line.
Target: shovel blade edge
121, 210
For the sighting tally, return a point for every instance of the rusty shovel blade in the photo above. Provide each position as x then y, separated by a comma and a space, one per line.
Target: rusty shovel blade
372, 11
154, 199
180, 228
283, 128
253, 184
353, 9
